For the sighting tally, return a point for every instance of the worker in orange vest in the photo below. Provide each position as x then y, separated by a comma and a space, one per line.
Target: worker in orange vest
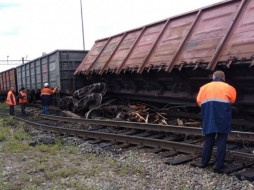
11, 100
46, 93
215, 99
22, 100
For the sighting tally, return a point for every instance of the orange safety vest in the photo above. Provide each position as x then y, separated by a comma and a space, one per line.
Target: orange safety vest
10, 97
23, 98
216, 91
47, 91
215, 99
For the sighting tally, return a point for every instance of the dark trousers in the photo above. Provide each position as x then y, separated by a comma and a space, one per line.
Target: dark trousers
221, 142
11, 109
45, 110
23, 108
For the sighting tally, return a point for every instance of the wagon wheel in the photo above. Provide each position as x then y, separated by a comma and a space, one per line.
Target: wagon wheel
63, 102
100, 88
75, 103
70, 104
95, 101
94, 88
82, 92
93, 113
103, 89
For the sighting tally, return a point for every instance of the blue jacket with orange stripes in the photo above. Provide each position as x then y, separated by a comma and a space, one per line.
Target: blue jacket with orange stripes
215, 99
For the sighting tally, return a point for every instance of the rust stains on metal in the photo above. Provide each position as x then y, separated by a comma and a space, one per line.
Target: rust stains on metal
8, 80
223, 42
206, 36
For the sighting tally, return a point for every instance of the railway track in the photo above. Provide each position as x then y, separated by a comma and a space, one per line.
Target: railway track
164, 140
234, 136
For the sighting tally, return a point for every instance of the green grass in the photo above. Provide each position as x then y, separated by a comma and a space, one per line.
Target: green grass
20, 134
1, 173
15, 146
52, 149
12, 136
4, 106
42, 163
9, 122
4, 133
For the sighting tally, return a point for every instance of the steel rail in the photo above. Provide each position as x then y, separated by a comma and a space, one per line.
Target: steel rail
233, 136
143, 141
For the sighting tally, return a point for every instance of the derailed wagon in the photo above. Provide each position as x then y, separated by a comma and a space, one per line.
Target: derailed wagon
167, 61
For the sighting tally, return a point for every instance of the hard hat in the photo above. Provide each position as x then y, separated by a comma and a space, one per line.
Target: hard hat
46, 84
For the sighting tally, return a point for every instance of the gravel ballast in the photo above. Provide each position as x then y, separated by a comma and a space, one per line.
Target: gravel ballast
90, 167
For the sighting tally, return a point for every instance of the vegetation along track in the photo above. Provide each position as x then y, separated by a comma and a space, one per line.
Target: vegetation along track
180, 144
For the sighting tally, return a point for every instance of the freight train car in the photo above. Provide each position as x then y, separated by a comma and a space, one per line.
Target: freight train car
167, 61
55, 68
7, 80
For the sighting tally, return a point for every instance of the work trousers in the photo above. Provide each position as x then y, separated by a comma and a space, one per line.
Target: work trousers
45, 110
23, 108
221, 143
11, 109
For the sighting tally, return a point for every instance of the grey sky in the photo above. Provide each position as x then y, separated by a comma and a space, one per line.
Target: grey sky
31, 27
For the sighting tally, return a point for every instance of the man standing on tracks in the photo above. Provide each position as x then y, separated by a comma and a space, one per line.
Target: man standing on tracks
22, 100
46, 93
215, 99
11, 100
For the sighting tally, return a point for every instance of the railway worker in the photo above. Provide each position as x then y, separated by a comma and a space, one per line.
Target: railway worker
46, 93
215, 99
11, 100
22, 100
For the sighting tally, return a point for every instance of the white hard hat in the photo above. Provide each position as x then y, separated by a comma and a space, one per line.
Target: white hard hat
46, 84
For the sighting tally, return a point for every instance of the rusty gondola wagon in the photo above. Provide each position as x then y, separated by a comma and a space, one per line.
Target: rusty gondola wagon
7, 80
167, 61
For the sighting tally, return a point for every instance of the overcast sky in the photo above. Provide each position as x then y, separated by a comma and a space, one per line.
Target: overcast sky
31, 27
